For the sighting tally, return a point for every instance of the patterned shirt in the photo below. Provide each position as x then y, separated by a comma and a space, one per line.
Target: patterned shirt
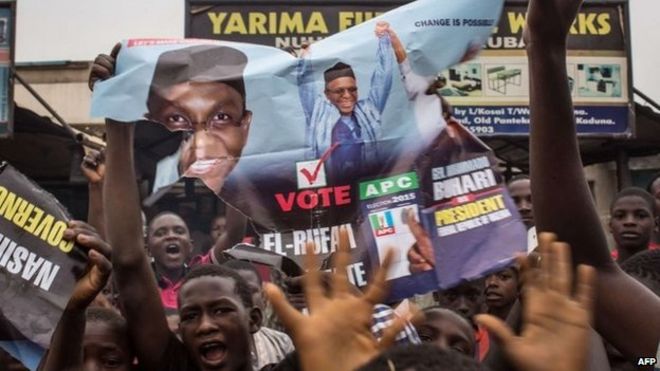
271, 346
383, 316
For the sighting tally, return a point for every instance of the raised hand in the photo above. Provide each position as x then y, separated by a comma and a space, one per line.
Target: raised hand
382, 28
336, 335
103, 67
99, 266
93, 166
556, 322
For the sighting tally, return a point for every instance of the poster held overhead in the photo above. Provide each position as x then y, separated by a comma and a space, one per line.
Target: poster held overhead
306, 144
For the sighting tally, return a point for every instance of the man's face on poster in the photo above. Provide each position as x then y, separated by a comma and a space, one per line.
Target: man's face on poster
342, 93
213, 115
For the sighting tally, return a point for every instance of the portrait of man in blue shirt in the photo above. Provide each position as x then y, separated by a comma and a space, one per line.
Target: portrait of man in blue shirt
338, 120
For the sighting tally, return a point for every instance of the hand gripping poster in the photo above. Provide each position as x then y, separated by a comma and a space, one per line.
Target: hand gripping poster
332, 136
38, 268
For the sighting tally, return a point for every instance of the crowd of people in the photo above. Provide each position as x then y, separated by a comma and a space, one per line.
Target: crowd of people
150, 301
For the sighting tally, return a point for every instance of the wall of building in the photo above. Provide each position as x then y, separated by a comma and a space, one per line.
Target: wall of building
63, 86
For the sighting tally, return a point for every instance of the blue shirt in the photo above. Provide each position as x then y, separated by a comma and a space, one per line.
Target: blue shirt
322, 116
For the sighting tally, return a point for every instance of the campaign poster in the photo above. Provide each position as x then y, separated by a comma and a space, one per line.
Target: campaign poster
38, 268
304, 143
467, 211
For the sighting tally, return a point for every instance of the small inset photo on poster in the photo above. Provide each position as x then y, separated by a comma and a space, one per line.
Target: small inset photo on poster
463, 80
506, 80
390, 231
599, 80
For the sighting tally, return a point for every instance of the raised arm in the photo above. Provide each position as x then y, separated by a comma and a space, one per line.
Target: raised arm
133, 276
233, 234
381, 80
306, 84
66, 346
93, 167
562, 200
412, 82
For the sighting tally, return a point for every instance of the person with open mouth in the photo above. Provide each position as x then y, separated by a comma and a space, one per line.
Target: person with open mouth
169, 243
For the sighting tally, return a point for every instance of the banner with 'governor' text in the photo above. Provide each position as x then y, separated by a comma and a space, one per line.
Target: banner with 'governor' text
305, 143
38, 268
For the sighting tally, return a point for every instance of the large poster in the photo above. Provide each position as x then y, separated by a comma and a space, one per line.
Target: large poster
490, 94
305, 144
38, 268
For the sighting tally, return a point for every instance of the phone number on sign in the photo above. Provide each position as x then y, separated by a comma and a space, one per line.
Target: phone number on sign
482, 129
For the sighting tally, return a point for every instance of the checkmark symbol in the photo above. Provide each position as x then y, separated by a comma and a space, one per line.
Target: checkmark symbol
312, 176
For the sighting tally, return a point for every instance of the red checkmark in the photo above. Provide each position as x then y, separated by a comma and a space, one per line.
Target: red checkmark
311, 177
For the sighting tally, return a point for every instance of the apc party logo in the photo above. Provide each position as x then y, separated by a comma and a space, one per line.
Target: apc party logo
382, 223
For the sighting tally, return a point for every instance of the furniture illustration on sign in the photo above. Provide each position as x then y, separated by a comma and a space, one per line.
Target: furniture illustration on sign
466, 77
499, 78
600, 79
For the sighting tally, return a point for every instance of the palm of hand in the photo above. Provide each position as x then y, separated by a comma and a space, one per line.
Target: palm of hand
341, 327
556, 322
337, 333
554, 325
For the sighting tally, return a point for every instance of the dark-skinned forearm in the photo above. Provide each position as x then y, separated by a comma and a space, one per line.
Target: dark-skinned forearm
561, 197
65, 352
121, 197
95, 216
132, 273
563, 204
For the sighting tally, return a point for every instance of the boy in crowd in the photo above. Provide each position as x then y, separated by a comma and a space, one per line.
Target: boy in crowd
633, 222
446, 330
269, 346
214, 303
89, 339
170, 245
520, 190
501, 292
467, 299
